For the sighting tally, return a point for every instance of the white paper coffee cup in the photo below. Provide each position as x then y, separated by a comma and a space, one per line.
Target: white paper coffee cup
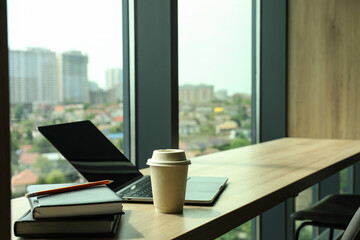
168, 170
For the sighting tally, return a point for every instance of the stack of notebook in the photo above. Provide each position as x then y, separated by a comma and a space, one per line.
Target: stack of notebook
93, 211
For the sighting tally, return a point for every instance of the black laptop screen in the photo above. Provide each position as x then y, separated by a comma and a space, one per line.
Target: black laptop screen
91, 153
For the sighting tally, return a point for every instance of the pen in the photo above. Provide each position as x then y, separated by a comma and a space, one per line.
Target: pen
69, 188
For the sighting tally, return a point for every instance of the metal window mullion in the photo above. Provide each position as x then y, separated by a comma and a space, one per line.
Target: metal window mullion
126, 76
155, 84
5, 177
273, 125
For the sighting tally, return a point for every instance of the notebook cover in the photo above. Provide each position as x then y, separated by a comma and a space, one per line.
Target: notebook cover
97, 200
102, 225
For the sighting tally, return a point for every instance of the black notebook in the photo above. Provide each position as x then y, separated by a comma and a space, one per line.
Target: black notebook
101, 225
98, 200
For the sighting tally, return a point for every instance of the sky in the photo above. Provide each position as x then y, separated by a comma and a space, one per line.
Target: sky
215, 43
214, 36
63, 25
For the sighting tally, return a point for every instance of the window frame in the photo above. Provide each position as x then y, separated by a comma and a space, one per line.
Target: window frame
5, 218
165, 133
273, 120
154, 57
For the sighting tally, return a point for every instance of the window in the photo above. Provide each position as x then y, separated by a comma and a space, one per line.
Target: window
304, 200
311, 195
215, 79
65, 64
146, 65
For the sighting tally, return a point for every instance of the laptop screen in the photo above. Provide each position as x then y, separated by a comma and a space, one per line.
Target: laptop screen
91, 153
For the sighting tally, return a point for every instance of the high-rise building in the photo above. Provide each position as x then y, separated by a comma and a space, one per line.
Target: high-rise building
114, 77
73, 77
33, 76
93, 86
114, 84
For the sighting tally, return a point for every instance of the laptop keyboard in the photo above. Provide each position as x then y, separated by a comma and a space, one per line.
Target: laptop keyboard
142, 189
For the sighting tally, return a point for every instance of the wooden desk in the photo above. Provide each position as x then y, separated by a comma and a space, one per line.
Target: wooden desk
260, 177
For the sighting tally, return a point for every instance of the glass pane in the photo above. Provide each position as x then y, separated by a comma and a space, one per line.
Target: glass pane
345, 180
304, 200
308, 197
65, 64
215, 80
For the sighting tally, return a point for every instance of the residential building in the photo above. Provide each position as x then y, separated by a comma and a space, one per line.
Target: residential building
20, 181
221, 94
196, 93
100, 96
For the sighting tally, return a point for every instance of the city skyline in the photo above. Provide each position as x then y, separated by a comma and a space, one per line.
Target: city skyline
219, 54
113, 75
41, 76
57, 25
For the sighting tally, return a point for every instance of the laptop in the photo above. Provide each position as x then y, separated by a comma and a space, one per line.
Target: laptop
96, 158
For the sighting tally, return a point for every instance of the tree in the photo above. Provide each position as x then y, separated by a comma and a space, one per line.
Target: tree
236, 99
71, 177
118, 128
241, 232
28, 136
86, 106
208, 129
18, 111
28, 124
239, 142
237, 118
44, 164
70, 173
28, 127
246, 125
55, 176
15, 140
90, 116
121, 144
42, 145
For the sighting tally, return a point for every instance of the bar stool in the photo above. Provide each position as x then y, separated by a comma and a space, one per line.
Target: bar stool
333, 212
352, 232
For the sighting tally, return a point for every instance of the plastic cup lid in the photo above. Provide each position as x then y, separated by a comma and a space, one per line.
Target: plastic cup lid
169, 155
152, 162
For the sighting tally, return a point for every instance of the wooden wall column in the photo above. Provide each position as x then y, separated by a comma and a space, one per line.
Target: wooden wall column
324, 69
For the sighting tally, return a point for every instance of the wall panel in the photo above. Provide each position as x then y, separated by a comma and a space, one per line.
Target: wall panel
324, 69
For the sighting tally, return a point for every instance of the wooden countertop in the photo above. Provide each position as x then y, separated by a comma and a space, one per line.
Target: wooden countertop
260, 177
